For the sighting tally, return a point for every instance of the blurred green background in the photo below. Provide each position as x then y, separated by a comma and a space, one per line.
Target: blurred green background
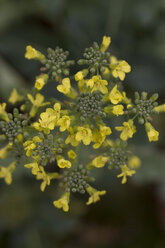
129, 216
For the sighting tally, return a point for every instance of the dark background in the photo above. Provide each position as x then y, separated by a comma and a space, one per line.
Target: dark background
131, 215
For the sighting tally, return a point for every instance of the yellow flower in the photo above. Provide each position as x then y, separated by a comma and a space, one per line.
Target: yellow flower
128, 129
63, 163
119, 68
20, 137
3, 113
49, 119
32, 53
134, 162
81, 85
41, 80
37, 103
84, 134
116, 110
125, 173
94, 195
160, 108
34, 166
30, 145
6, 172
63, 202
4, 151
105, 43
99, 161
46, 177
99, 135
81, 74
65, 87
152, 134
115, 96
71, 138
72, 155
96, 83
64, 123
15, 97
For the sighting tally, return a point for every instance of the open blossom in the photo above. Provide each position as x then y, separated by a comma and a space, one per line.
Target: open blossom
15, 97
152, 134
32, 53
119, 68
125, 173
49, 119
105, 43
65, 87
63, 202
99, 161
94, 195
41, 80
6, 172
84, 134
37, 102
127, 130
115, 96
96, 83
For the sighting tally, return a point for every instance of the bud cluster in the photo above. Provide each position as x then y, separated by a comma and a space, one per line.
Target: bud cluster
145, 107
46, 150
90, 105
56, 62
94, 58
14, 126
118, 157
76, 180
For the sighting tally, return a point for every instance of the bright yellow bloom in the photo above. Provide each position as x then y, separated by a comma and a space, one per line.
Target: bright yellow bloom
152, 134
119, 68
105, 43
49, 119
3, 113
134, 162
160, 108
84, 134
99, 161
63, 202
94, 195
72, 155
41, 80
4, 151
20, 137
15, 97
99, 135
37, 103
128, 129
116, 110
30, 145
71, 138
81, 85
63, 163
115, 96
125, 173
32, 53
46, 177
6, 172
97, 84
64, 123
65, 87
34, 166
81, 74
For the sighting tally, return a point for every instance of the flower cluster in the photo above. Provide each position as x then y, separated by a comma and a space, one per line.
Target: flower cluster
49, 136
